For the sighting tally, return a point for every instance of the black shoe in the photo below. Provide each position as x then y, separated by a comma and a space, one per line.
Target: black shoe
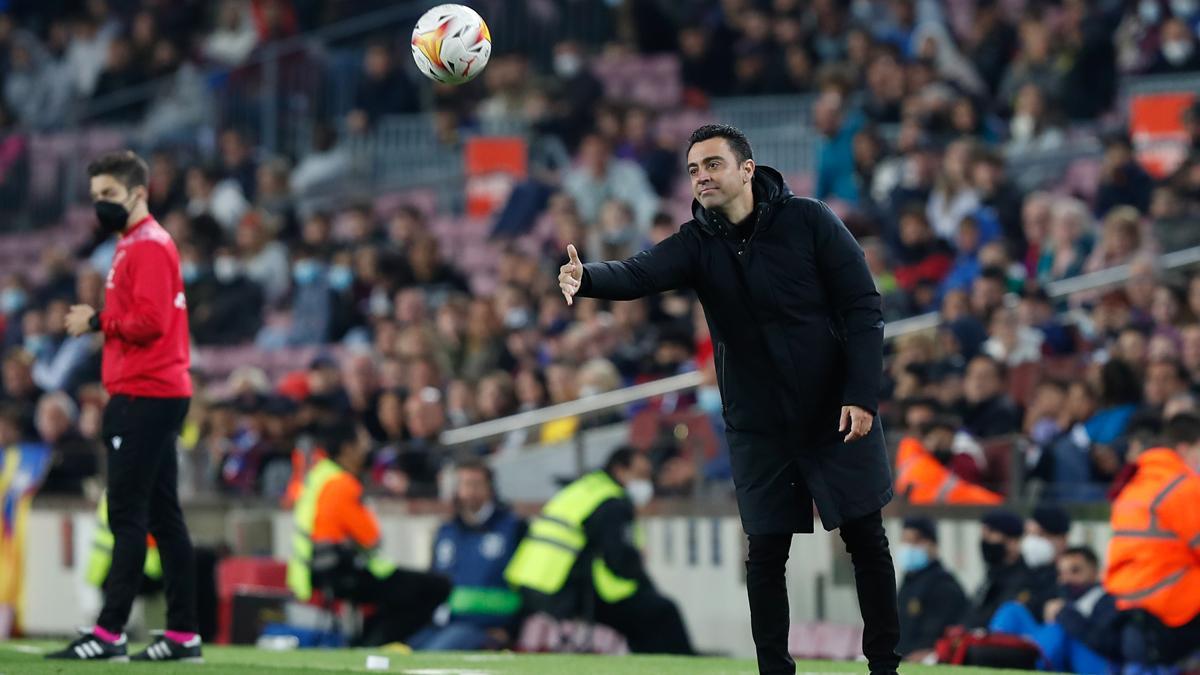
89, 647
165, 649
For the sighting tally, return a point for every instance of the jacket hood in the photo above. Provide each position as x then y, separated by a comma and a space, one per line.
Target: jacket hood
770, 191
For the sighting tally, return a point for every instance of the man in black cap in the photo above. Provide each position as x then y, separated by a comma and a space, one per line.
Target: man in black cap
930, 597
1044, 541
1007, 575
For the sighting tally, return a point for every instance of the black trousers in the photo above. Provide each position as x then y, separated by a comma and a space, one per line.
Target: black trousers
874, 577
650, 622
404, 603
139, 434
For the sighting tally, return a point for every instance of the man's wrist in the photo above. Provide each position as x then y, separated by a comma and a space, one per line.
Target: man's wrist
94, 322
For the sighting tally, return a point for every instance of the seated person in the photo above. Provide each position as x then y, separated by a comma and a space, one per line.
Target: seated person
472, 549
335, 547
1044, 541
580, 558
930, 598
1073, 625
1154, 556
924, 469
1007, 575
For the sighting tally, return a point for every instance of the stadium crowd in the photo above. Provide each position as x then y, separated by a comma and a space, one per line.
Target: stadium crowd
919, 113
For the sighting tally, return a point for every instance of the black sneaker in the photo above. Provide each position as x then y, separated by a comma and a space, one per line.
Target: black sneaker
165, 649
89, 647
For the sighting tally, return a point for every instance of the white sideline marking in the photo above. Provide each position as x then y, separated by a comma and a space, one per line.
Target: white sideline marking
445, 671
25, 649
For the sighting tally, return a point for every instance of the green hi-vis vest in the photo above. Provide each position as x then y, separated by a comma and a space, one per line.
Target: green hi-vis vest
304, 517
100, 559
545, 556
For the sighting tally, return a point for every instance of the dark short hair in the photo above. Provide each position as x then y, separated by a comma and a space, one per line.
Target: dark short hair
738, 143
476, 464
336, 437
621, 458
1182, 428
124, 165
1086, 553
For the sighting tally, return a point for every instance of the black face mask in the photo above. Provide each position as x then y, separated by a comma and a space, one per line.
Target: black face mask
112, 216
1072, 591
992, 551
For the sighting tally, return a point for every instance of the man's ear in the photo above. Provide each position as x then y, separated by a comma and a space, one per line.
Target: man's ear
748, 171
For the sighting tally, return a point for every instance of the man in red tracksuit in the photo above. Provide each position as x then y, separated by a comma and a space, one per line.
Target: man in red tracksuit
145, 370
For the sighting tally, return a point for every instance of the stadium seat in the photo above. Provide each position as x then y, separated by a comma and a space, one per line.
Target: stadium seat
245, 576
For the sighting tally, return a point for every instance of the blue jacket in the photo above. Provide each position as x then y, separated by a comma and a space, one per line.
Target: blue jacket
474, 559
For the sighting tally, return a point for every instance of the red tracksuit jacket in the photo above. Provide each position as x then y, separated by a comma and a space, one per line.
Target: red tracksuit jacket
145, 321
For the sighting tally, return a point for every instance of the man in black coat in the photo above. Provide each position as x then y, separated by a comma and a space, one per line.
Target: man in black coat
1008, 577
795, 318
931, 599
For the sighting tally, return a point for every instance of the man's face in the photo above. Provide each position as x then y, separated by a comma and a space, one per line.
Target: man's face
981, 382
1075, 570
1162, 382
717, 177
109, 189
639, 469
472, 491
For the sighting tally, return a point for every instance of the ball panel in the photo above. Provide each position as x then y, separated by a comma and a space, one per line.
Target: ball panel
451, 44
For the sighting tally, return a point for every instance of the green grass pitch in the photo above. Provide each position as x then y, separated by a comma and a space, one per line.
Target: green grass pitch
23, 657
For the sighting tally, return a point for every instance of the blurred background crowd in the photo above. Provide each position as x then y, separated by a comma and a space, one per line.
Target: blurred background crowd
331, 271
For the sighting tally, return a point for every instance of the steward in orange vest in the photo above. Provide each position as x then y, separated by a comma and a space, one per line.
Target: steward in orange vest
922, 479
1154, 554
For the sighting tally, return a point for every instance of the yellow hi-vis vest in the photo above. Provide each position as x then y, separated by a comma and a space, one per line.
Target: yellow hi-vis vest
100, 559
304, 518
544, 558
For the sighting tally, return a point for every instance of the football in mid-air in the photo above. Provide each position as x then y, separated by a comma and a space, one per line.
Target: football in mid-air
451, 44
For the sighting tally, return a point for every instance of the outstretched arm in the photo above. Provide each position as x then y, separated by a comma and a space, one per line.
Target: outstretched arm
664, 267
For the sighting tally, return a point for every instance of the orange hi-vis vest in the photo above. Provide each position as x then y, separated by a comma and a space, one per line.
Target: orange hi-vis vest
1154, 554
925, 481
301, 463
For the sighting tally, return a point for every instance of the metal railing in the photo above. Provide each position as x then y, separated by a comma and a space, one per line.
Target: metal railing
599, 403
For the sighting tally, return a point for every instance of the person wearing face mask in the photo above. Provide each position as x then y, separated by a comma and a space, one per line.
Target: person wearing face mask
472, 550
1007, 575
1044, 541
145, 363
1077, 626
580, 558
336, 544
931, 599
1177, 49
1154, 555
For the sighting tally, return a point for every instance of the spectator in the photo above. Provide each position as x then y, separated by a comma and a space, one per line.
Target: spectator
1066, 250
989, 411
930, 598
261, 259
74, 460
1033, 65
923, 257
1123, 181
62, 361
19, 389
1120, 240
1044, 542
1177, 51
1075, 625
599, 176
119, 74
324, 168
234, 37
835, 156
237, 162
384, 89
209, 194
1007, 575
1033, 127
